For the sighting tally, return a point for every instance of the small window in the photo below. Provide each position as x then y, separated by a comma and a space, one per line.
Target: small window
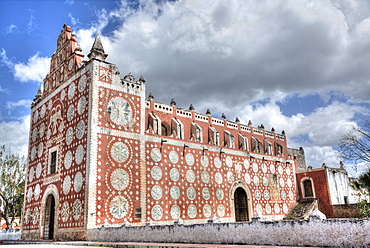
53, 162
137, 213
166, 129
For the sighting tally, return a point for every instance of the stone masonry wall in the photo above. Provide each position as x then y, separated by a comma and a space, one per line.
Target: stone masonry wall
334, 232
347, 211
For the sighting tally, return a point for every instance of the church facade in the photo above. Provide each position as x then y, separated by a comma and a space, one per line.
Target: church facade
100, 153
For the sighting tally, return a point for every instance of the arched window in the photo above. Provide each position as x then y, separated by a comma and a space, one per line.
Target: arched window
166, 129
307, 186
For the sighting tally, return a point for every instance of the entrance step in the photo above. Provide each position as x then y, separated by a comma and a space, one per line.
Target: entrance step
302, 209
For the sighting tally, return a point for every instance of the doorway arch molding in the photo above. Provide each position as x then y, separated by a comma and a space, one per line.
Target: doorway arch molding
234, 187
50, 190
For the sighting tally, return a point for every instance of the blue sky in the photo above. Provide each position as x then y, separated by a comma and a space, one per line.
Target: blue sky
298, 66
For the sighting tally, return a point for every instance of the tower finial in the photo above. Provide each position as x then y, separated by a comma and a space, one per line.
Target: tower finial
97, 50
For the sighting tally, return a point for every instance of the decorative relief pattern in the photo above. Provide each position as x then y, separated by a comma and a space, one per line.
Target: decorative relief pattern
120, 111
205, 177
81, 105
191, 193
119, 152
246, 164
229, 161
80, 152
207, 211
217, 162
192, 211
78, 182
119, 179
206, 194
64, 213
190, 176
70, 112
204, 161
77, 209
82, 83
71, 90
119, 207
189, 159
38, 170
69, 135
157, 192
80, 129
174, 157
174, 174
220, 194
175, 192
37, 192
157, 212
221, 210
66, 185
218, 178
175, 212
156, 155
68, 160
156, 173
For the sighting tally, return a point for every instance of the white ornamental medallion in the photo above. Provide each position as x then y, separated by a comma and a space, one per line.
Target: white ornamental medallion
192, 211
174, 174
157, 192
156, 173
175, 212
174, 157
66, 185
119, 152
190, 176
204, 161
78, 182
189, 159
175, 192
79, 154
156, 155
119, 207
120, 111
119, 179
217, 162
157, 212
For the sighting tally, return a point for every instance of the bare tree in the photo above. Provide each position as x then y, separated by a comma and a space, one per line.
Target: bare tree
355, 145
12, 183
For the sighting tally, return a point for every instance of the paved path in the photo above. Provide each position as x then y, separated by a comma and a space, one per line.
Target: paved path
80, 244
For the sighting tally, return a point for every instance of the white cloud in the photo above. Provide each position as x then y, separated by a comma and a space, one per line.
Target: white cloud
21, 103
11, 29
224, 56
34, 70
74, 21
14, 134
31, 25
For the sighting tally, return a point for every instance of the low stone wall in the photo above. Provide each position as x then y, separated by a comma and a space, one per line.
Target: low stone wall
329, 232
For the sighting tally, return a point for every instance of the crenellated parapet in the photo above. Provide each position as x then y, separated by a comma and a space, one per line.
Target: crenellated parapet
169, 120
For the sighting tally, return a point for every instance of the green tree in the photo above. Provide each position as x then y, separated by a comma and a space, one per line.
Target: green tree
12, 183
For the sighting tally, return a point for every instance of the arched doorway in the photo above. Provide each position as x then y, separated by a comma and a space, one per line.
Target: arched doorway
307, 185
49, 217
241, 205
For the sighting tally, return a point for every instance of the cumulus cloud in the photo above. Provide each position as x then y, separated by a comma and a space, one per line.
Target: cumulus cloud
25, 103
18, 128
34, 70
243, 57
